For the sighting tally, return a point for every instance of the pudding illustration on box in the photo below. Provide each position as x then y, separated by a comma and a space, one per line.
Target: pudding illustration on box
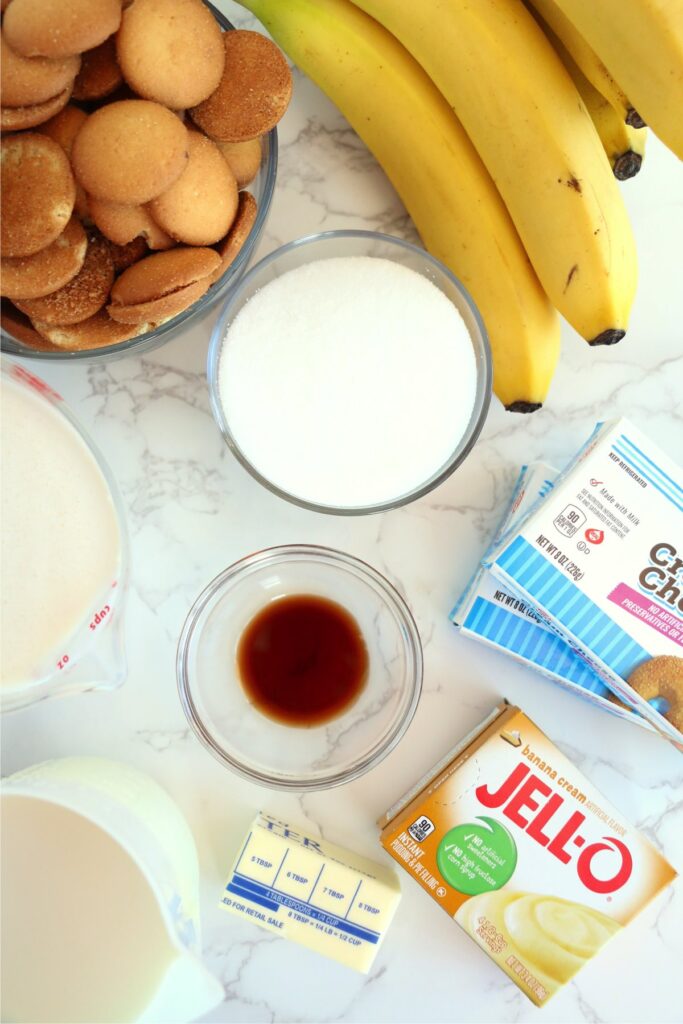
601, 560
515, 844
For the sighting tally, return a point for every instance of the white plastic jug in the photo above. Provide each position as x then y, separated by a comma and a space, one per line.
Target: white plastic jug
100, 916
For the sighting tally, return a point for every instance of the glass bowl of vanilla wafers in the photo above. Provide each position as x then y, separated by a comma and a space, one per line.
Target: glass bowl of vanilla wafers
138, 204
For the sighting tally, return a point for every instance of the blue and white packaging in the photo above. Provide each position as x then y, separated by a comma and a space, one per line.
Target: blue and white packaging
493, 614
601, 560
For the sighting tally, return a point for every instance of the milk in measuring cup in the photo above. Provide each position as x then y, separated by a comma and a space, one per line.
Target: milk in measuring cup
61, 542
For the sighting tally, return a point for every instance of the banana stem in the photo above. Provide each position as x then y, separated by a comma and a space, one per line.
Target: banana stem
634, 120
623, 142
524, 407
627, 165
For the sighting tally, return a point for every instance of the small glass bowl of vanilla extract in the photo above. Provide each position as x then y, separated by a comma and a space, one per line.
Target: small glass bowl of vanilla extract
300, 667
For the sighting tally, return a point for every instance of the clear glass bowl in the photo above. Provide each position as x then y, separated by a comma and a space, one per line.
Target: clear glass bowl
327, 245
259, 748
262, 189
92, 657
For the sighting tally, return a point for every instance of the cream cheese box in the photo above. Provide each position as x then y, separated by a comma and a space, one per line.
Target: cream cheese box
493, 614
601, 560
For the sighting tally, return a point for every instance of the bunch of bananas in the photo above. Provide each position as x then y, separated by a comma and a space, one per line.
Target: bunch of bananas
503, 126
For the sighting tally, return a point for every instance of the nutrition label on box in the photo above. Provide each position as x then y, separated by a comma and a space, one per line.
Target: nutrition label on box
569, 521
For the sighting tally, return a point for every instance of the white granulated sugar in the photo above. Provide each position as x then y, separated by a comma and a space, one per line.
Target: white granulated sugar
348, 381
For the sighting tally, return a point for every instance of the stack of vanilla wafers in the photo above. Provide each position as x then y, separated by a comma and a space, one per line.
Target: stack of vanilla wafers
130, 134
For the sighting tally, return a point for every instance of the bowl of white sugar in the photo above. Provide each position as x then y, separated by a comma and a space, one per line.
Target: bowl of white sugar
350, 372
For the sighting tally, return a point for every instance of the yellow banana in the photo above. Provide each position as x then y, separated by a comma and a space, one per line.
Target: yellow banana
521, 110
623, 144
413, 133
587, 59
641, 44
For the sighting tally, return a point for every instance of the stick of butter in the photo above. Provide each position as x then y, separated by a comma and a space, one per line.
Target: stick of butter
308, 890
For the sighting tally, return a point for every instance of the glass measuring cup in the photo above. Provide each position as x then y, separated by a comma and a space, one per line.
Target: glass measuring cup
89, 654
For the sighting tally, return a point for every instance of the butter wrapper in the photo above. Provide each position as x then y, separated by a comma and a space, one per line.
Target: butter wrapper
306, 889
601, 560
515, 844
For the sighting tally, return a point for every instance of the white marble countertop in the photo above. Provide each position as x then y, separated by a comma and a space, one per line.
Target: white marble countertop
193, 510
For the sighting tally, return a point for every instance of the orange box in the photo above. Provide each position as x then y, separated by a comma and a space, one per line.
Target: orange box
527, 856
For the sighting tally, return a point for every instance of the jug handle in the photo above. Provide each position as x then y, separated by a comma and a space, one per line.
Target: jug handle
187, 991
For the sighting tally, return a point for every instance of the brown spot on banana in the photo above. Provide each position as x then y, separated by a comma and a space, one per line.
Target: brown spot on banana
570, 276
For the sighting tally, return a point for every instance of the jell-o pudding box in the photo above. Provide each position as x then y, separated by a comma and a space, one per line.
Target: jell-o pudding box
523, 852
601, 560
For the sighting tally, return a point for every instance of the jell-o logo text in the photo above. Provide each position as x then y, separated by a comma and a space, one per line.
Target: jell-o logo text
531, 804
